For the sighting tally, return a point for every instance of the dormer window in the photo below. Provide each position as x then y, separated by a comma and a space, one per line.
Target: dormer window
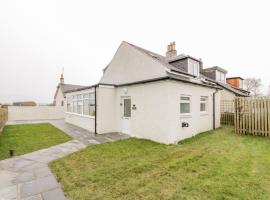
193, 67
220, 76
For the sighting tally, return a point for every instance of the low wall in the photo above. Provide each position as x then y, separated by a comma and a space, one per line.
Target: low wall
3, 118
84, 122
18, 113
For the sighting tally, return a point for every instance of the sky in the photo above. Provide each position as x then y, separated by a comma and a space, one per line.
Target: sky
38, 38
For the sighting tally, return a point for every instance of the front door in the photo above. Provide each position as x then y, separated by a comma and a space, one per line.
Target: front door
126, 114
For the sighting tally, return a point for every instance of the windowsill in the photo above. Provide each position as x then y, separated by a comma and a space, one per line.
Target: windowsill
185, 115
86, 116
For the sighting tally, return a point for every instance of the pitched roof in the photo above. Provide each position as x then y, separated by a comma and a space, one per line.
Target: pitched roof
166, 62
66, 87
237, 91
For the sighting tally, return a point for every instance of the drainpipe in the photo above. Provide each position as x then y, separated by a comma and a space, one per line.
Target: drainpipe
95, 109
214, 109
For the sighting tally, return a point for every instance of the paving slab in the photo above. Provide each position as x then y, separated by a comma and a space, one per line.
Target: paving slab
7, 178
54, 194
38, 186
35, 197
8, 193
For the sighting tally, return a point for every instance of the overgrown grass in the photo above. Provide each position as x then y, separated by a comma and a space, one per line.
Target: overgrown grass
27, 138
214, 165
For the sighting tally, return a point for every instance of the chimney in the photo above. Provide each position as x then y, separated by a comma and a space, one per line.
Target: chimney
62, 79
171, 50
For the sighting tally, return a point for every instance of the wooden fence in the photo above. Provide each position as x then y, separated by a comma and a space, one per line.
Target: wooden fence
3, 118
252, 115
227, 112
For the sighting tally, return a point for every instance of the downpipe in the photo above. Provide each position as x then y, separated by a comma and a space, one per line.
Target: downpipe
214, 109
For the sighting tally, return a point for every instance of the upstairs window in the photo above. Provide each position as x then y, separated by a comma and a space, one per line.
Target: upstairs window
220, 76
193, 68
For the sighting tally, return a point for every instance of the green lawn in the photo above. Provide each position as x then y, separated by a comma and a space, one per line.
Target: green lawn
213, 165
27, 138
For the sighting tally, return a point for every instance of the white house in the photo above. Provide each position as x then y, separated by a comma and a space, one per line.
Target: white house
146, 95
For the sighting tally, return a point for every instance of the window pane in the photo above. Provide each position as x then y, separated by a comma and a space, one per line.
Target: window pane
86, 96
203, 107
92, 110
75, 106
185, 98
127, 107
86, 107
184, 107
80, 107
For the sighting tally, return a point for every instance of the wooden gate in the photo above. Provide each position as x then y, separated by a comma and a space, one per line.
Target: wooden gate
227, 112
252, 115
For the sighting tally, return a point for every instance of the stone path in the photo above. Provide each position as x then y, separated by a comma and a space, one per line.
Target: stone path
28, 177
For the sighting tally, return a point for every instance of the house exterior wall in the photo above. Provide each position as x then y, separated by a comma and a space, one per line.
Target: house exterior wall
150, 119
59, 98
157, 115
227, 95
131, 65
198, 122
106, 109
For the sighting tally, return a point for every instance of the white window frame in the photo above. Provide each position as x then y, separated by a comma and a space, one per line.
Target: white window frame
206, 104
193, 65
185, 101
77, 100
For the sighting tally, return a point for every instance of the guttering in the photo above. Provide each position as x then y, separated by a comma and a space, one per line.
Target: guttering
214, 109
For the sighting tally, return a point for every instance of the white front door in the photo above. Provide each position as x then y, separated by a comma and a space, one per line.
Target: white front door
126, 114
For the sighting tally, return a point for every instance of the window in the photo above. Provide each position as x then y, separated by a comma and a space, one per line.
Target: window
193, 68
203, 104
92, 104
220, 76
185, 105
62, 103
82, 104
69, 104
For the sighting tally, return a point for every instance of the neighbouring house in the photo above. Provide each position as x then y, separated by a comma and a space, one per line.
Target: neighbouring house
147, 95
232, 87
62, 87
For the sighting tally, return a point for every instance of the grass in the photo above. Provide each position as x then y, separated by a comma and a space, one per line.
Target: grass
213, 165
27, 138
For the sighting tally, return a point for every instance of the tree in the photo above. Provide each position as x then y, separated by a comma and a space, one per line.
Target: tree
253, 85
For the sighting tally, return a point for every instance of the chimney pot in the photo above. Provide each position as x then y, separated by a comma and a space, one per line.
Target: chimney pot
171, 50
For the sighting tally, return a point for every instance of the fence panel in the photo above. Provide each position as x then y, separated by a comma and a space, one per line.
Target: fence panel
252, 115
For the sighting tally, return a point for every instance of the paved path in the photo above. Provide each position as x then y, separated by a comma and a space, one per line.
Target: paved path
28, 177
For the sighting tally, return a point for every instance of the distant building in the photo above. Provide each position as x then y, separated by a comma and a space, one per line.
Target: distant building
25, 103
59, 96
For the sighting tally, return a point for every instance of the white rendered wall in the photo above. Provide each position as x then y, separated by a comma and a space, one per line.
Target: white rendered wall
106, 109
84, 122
198, 122
17, 113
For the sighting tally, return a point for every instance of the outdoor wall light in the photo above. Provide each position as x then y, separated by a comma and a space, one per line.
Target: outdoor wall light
134, 107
